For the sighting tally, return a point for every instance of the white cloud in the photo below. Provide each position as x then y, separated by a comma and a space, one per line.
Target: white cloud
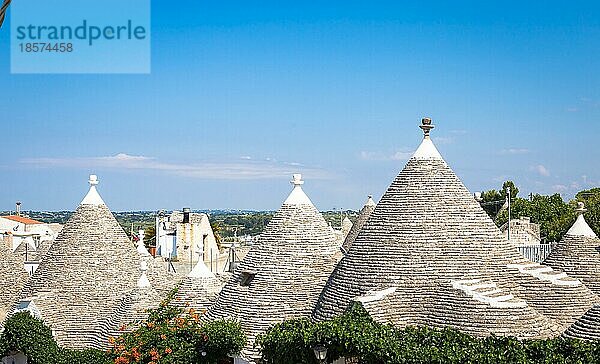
246, 169
514, 151
400, 155
443, 140
541, 170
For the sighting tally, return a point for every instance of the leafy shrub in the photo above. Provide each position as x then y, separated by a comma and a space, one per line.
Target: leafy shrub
172, 335
27, 334
169, 336
356, 335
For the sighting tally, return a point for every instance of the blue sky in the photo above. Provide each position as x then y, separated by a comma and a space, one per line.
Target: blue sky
241, 94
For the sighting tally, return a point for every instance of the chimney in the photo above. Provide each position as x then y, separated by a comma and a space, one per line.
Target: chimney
186, 215
18, 208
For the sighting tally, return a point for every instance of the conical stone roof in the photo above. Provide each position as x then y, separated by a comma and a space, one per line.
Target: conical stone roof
429, 255
84, 276
578, 253
283, 273
363, 216
12, 279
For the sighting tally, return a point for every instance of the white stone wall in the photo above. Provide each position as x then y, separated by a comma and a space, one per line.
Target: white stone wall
10, 225
523, 232
198, 237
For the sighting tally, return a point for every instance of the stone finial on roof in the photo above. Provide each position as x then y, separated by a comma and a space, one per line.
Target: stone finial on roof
581, 227
427, 149
143, 282
426, 126
92, 197
297, 180
297, 196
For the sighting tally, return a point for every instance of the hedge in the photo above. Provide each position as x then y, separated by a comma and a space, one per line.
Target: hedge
356, 335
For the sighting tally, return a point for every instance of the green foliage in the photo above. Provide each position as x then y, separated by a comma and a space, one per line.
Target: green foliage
172, 336
27, 334
553, 214
85, 356
246, 223
356, 335
217, 230
225, 338
492, 201
514, 190
335, 218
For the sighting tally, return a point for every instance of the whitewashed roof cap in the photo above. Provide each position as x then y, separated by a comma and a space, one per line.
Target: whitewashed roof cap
427, 149
201, 270
297, 196
143, 282
370, 201
581, 227
141, 248
92, 197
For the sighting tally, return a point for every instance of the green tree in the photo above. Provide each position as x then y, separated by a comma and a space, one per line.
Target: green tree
216, 228
493, 201
27, 334
150, 236
514, 190
554, 215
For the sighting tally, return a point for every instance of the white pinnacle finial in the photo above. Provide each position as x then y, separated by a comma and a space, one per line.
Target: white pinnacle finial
297, 180
370, 201
297, 197
143, 282
93, 181
427, 150
580, 227
141, 248
200, 269
92, 197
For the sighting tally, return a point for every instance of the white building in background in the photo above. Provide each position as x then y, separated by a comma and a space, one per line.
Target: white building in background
186, 236
27, 238
22, 229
